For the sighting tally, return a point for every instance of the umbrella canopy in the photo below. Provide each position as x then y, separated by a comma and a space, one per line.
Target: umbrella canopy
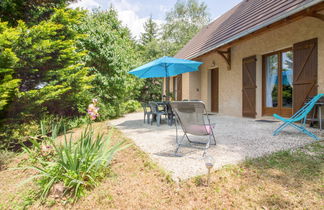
165, 67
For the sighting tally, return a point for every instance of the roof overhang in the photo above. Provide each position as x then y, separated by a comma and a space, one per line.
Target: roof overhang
256, 28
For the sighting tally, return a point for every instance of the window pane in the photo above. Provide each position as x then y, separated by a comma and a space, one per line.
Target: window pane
272, 81
287, 79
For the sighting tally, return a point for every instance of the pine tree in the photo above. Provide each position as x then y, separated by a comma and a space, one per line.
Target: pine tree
29, 11
53, 78
151, 49
151, 31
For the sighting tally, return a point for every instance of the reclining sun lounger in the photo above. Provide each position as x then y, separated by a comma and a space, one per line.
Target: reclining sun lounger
193, 118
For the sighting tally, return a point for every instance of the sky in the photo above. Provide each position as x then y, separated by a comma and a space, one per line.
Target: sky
134, 13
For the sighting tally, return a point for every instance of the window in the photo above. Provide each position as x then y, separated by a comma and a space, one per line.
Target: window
278, 82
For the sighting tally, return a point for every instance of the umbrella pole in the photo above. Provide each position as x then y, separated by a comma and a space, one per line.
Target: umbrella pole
162, 91
167, 88
167, 82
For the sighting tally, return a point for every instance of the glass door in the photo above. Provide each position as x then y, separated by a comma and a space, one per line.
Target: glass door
278, 83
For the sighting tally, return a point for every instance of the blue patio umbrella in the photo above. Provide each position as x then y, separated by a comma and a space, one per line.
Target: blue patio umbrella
165, 67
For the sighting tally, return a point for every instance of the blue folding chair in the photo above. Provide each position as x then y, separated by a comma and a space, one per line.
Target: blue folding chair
300, 115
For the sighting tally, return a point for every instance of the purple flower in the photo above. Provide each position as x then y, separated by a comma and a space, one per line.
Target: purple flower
93, 109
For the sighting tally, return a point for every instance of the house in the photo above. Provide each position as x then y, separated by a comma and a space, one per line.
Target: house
261, 57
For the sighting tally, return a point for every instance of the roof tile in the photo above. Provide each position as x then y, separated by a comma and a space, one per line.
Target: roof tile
242, 17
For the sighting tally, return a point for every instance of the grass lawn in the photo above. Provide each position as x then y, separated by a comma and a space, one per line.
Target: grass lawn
284, 180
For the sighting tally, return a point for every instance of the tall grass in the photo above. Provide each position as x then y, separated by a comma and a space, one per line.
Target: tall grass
76, 165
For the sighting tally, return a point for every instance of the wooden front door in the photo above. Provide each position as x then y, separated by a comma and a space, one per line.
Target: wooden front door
214, 90
305, 72
249, 87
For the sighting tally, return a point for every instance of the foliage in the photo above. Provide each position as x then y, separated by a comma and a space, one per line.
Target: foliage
150, 31
112, 53
8, 60
152, 90
13, 134
182, 23
150, 49
31, 11
131, 106
75, 166
53, 78
53, 61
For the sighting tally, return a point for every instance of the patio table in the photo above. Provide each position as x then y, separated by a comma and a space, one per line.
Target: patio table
161, 108
160, 103
165, 105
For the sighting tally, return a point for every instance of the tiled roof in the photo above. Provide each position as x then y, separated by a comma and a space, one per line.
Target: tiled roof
246, 17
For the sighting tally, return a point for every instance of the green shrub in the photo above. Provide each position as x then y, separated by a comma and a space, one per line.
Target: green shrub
61, 123
45, 63
12, 135
152, 90
112, 53
76, 166
8, 60
131, 106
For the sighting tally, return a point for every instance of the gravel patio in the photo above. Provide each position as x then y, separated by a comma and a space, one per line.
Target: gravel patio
237, 139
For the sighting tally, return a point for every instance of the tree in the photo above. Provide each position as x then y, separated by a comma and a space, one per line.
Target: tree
112, 53
29, 11
149, 42
182, 23
151, 31
53, 78
8, 60
150, 49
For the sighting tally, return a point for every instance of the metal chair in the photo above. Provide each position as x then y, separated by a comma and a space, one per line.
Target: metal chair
300, 115
193, 119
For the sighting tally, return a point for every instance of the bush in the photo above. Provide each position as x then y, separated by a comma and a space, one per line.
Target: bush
12, 135
45, 63
50, 121
15, 133
130, 106
112, 53
71, 168
8, 60
152, 90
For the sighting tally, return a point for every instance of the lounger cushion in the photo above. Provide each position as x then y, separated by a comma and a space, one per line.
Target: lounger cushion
200, 129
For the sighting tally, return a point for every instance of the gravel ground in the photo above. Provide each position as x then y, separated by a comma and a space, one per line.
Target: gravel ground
237, 139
